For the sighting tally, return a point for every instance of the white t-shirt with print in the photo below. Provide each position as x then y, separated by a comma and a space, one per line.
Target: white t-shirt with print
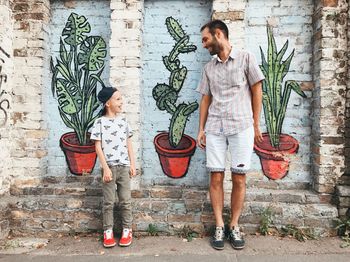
113, 134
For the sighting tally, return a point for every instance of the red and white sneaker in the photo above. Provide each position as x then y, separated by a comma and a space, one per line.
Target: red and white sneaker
108, 238
126, 238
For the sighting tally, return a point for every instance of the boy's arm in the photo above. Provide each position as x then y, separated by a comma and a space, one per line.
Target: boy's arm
131, 157
107, 173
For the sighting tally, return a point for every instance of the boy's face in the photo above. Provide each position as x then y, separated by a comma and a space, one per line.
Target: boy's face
115, 103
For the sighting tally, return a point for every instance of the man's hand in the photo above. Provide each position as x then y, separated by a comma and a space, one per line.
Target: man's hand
257, 135
201, 139
107, 175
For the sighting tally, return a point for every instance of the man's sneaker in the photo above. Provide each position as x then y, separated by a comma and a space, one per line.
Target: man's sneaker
236, 238
126, 238
108, 238
217, 241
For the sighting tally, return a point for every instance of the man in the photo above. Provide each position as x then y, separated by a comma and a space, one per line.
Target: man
229, 119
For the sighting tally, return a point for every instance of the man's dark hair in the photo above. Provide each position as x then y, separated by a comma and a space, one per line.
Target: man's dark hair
216, 24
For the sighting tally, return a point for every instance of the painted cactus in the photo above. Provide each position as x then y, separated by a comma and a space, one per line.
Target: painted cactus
275, 100
166, 95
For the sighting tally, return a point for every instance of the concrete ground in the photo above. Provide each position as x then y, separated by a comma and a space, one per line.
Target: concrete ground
161, 248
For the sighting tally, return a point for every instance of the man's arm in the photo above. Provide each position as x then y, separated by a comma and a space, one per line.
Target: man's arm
256, 106
203, 114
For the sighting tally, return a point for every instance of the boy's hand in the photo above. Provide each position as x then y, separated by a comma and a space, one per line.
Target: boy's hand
107, 175
132, 171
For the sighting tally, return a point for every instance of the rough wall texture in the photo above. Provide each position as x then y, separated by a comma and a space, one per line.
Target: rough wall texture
31, 67
43, 202
330, 77
6, 70
125, 72
343, 188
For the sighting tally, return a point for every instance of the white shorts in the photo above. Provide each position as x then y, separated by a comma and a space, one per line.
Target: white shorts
241, 148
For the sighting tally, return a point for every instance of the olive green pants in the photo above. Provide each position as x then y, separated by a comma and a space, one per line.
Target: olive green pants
120, 183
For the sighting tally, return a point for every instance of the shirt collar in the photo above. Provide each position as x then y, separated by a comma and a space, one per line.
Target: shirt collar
233, 54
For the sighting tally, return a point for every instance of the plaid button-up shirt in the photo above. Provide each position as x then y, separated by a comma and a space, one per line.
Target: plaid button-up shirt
229, 83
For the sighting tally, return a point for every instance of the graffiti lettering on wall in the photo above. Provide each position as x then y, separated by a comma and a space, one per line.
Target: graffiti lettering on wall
4, 103
174, 148
276, 148
76, 76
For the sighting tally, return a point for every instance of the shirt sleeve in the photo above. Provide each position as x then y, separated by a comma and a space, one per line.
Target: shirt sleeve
96, 130
203, 86
254, 73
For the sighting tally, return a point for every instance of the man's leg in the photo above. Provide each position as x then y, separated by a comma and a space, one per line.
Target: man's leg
217, 196
237, 197
241, 147
216, 151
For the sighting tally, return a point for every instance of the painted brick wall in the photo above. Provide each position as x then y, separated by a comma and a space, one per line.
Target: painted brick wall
292, 21
157, 43
98, 15
48, 201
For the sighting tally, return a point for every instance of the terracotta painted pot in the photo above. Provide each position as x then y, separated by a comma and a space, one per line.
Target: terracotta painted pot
174, 161
80, 159
275, 161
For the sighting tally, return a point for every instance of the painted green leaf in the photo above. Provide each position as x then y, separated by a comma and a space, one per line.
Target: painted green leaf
63, 52
188, 49
93, 53
171, 65
274, 100
69, 97
75, 29
174, 28
177, 125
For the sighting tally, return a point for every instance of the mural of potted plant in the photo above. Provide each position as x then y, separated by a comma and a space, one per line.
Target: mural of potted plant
276, 148
75, 78
174, 148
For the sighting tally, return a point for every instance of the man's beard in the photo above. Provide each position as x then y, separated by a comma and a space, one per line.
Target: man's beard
215, 47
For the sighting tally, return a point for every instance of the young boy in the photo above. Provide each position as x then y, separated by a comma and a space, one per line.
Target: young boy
112, 136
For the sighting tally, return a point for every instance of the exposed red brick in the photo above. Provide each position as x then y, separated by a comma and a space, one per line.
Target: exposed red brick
330, 3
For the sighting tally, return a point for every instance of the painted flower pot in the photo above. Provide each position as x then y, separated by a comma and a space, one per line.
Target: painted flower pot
275, 161
174, 161
80, 159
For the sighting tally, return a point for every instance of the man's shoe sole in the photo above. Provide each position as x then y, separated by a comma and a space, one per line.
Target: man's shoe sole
217, 248
237, 248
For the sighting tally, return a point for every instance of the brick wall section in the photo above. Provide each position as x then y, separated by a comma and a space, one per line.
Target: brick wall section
330, 69
47, 205
31, 67
343, 188
70, 204
232, 13
125, 65
6, 71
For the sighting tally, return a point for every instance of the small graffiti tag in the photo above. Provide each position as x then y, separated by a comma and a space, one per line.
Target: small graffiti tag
4, 102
